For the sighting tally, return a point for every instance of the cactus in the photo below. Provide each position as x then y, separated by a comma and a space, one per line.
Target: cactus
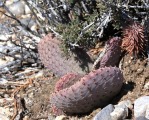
54, 59
134, 40
92, 90
113, 52
67, 80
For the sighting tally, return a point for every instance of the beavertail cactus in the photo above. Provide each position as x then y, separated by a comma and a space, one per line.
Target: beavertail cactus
67, 80
92, 90
113, 52
53, 57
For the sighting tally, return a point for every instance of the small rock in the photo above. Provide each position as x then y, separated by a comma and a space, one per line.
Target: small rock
10, 44
119, 113
3, 100
140, 70
3, 117
8, 59
31, 95
28, 22
5, 113
27, 10
51, 117
30, 60
3, 81
39, 74
34, 27
147, 112
6, 96
61, 117
3, 43
121, 110
146, 86
9, 2
104, 114
141, 118
26, 118
2, 62
17, 8
141, 107
126, 103
4, 37
34, 65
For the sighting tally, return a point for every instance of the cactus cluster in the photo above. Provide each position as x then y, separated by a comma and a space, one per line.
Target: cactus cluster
75, 92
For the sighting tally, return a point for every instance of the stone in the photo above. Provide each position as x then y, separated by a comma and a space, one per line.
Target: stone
119, 113
5, 113
4, 37
104, 114
141, 118
146, 86
140, 70
3, 81
28, 22
2, 62
27, 10
141, 107
26, 118
121, 110
126, 103
17, 8
61, 117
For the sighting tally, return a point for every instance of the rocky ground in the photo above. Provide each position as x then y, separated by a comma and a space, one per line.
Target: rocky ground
32, 94
136, 84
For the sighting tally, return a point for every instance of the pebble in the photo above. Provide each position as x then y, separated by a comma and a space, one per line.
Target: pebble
61, 117
127, 103
141, 107
4, 37
141, 118
2, 62
3, 81
27, 10
146, 86
140, 70
121, 110
31, 95
51, 117
17, 8
28, 22
8, 59
10, 44
104, 114
6, 96
5, 113
26, 118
